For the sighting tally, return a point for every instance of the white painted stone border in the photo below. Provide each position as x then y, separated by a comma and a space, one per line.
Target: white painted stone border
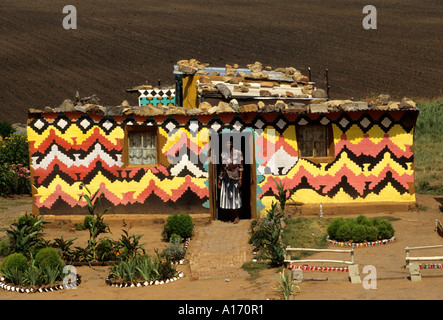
22, 289
143, 283
360, 244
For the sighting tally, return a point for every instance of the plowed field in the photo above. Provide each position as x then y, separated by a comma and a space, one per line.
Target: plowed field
121, 44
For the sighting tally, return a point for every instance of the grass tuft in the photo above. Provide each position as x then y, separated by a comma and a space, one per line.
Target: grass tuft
428, 148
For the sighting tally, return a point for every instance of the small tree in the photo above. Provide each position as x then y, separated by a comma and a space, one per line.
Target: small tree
25, 233
283, 195
96, 225
266, 236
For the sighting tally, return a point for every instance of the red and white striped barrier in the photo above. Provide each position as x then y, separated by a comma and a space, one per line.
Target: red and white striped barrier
315, 268
431, 266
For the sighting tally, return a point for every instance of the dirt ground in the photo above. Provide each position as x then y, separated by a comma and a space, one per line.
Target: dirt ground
414, 228
121, 44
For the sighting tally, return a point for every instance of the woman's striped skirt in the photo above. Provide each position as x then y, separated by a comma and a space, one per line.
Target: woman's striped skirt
230, 197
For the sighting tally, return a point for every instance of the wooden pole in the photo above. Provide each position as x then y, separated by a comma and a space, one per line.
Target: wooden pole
288, 260
425, 247
408, 258
320, 250
328, 87
424, 258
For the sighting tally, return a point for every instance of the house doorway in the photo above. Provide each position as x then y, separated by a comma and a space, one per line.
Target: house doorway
243, 141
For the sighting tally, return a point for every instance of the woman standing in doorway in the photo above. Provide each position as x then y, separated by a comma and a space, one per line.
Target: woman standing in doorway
230, 179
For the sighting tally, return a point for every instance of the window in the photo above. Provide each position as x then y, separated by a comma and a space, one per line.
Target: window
140, 147
315, 142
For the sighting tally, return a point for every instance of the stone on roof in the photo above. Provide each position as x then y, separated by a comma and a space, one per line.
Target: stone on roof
314, 106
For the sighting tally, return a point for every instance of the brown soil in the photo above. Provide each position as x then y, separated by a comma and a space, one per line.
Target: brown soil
414, 228
119, 45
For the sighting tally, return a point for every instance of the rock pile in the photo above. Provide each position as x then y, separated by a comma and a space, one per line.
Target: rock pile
190, 66
228, 86
255, 80
89, 104
256, 71
382, 102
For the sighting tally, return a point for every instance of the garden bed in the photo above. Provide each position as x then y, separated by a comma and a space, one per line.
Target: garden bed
142, 271
360, 232
35, 264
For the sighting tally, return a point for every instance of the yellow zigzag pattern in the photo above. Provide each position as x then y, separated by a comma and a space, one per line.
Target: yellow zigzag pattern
119, 188
74, 132
308, 196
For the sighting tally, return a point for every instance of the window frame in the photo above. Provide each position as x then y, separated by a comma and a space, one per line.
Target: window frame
125, 156
329, 143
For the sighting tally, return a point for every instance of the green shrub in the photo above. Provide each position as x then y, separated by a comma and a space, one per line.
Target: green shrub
105, 250
6, 129
25, 234
344, 233
375, 221
359, 233
334, 226
166, 269
49, 258
14, 267
371, 233
14, 179
14, 261
351, 222
14, 162
175, 250
360, 229
180, 224
7, 180
363, 220
4, 247
266, 236
261, 229
15, 150
385, 230
50, 262
176, 236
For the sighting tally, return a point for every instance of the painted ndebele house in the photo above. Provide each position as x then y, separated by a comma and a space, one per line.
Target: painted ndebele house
161, 156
